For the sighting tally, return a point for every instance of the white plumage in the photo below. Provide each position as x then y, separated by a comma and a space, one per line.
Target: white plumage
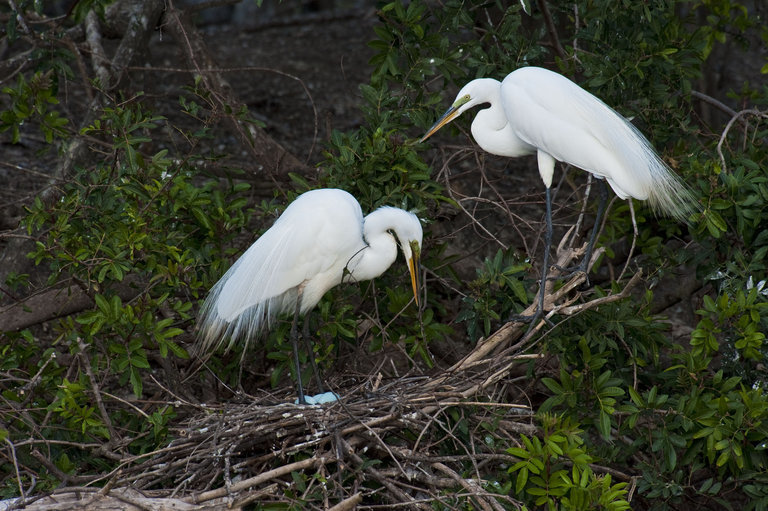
534, 110
319, 241
537, 111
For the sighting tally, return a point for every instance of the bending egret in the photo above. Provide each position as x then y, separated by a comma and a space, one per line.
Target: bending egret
534, 110
319, 241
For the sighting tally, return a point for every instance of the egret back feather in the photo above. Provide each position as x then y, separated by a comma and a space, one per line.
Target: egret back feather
265, 281
578, 128
320, 240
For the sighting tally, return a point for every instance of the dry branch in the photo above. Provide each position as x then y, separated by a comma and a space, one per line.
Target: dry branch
275, 160
121, 499
55, 303
257, 480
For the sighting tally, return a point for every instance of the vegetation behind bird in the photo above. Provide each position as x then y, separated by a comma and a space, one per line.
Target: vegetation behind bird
146, 221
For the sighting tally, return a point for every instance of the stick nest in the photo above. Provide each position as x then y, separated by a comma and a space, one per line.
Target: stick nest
406, 443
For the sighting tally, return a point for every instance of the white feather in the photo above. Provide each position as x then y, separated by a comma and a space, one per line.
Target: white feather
310, 248
534, 109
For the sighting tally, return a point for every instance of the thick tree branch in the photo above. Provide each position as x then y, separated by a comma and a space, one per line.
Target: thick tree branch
56, 303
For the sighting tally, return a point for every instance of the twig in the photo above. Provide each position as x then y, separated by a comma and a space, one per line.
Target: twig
113, 436
574, 309
491, 404
15, 9
375, 435
379, 477
551, 30
29, 387
348, 504
635, 235
474, 220
739, 115
576, 30
259, 479
16, 468
58, 473
712, 101
584, 203
254, 495
471, 486
99, 59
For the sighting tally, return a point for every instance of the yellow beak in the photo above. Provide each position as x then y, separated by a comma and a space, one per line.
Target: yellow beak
447, 117
413, 269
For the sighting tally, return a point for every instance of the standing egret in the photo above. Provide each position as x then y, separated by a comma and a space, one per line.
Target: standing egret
319, 241
534, 110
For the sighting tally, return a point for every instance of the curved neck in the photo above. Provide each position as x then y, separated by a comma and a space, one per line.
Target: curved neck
491, 127
381, 245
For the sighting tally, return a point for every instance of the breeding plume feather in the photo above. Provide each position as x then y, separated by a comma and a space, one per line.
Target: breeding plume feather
537, 111
320, 241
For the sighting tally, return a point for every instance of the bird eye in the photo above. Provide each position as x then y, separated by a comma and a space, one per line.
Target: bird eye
462, 101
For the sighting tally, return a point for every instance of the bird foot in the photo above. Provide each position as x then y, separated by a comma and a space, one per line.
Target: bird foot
532, 321
567, 273
524, 318
529, 318
319, 399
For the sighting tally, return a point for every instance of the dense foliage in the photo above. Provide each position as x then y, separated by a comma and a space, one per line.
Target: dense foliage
145, 229
686, 416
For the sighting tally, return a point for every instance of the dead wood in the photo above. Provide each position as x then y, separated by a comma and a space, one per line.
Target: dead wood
56, 303
233, 454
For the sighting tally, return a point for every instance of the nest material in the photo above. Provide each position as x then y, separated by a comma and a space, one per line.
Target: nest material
403, 422
379, 447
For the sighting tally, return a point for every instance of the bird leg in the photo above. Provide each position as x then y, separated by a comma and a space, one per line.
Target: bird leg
547, 246
544, 268
294, 341
311, 354
584, 265
603, 190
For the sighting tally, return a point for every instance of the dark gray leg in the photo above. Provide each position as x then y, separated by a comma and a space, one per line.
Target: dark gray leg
294, 340
311, 354
603, 190
547, 245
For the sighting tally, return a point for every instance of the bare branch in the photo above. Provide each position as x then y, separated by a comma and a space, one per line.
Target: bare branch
313, 462
738, 116
271, 155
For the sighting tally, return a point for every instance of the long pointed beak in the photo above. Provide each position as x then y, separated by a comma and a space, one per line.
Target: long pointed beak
413, 269
447, 117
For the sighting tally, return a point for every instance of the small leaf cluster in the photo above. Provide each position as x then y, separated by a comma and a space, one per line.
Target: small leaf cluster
32, 99
740, 319
554, 471
497, 292
672, 420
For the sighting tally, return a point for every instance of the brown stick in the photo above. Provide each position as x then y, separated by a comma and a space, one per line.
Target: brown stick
55, 303
259, 479
551, 30
348, 503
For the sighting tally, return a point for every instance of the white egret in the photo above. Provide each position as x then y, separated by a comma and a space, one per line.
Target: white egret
319, 241
534, 110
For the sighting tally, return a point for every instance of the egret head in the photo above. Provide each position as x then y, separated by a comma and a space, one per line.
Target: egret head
409, 235
472, 94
